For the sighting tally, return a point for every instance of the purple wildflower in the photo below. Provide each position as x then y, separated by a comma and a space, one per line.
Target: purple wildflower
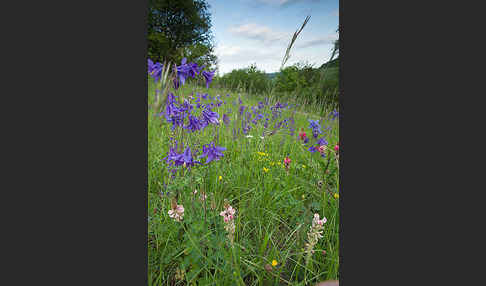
193, 124
212, 152
208, 75
209, 116
226, 119
316, 128
155, 70
334, 114
187, 158
242, 108
322, 141
312, 149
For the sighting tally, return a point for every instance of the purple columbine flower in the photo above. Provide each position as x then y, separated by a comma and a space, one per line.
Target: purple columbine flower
209, 116
208, 75
334, 114
226, 119
155, 70
212, 153
241, 109
312, 149
322, 141
316, 128
188, 159
185, 70
193, 124
205, 96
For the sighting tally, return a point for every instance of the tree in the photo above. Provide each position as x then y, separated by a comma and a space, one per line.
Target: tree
180, 28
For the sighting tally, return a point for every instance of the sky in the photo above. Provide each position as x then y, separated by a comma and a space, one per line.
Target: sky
259, 31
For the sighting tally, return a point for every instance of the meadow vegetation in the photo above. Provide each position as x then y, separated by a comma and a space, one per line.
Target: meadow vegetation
243, 187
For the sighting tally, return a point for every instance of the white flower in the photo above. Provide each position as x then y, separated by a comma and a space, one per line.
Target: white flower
262, 137
249, 136
177, 213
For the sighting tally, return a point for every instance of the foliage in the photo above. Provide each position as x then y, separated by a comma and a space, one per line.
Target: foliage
250, 80
178, 28
301, 83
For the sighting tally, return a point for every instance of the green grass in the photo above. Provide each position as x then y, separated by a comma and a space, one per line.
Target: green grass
274, 208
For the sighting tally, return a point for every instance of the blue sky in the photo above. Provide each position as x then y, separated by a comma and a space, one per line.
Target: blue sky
258, 31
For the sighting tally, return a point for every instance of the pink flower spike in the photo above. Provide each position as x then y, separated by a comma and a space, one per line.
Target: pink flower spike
336, 148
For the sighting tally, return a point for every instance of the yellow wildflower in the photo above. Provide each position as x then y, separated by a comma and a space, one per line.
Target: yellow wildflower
336, 196
274, 263
220, 178
303, 166
265, 169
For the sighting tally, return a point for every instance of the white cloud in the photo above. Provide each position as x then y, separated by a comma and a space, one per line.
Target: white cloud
234, 57
268, 59
258, 32
284, 2
328, 39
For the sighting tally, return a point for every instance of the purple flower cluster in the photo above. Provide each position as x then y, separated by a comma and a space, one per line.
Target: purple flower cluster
334, 114
155, 70
174, 159
212, 152
316, 127
176, 114
188, 70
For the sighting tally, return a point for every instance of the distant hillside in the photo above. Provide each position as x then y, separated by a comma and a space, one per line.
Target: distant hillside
332, 64
272, 75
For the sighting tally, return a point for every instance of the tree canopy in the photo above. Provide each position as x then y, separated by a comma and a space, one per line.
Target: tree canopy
180, 28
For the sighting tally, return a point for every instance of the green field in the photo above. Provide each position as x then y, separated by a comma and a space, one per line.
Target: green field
274, 206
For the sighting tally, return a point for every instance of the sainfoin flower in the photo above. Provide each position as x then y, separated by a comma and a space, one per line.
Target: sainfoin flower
336, 148
212, 152
228, 215
314, 234
177, 212
322, 149
302, 134
287, 162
